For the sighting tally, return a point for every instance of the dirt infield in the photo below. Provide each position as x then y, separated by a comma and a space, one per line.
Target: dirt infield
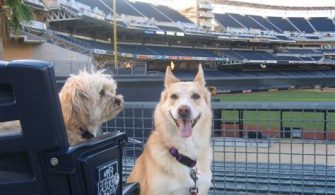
324, 90
232, 130
283, 151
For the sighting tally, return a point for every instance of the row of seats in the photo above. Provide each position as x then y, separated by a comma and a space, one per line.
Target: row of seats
265, 56
142, 50
277, 24
312, 54
167, 51
304, 51
140, 9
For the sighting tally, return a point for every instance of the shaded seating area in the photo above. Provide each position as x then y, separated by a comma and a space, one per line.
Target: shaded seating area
238, 55
173, 14
322, 24
302, 24
247, 21
276, 24
123, 7
282, 24
227, 21
264, 22
150, 11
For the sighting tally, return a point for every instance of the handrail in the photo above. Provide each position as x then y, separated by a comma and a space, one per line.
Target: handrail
317, 106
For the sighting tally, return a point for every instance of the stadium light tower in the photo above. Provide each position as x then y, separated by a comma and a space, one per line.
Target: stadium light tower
115, 34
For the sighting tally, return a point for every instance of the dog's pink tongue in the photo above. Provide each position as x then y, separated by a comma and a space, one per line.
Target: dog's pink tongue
185, 128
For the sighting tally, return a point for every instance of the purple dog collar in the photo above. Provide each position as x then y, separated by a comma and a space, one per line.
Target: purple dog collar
185, 160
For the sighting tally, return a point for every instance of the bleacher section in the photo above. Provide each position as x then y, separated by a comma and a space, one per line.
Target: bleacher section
296, 56
282, 24
305, 51
150, 11
123, 7
145, 50
302, 24
137, 49
247, 22
276, 24
282, 37
227, 21
323, 24
160, 19
173, 14
169, 28
156, 21
264, 22
188, 53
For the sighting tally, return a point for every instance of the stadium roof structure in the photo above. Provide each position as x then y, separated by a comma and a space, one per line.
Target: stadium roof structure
136, 20
36, 4
274, 7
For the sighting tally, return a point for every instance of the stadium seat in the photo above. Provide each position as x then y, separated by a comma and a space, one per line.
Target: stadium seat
282, 23
38, 160
247, 22
227, 21
302, 24
265, 23
124, 7
150, 11
322, 24
173, 14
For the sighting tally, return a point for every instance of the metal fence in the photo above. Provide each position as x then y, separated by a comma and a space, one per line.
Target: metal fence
259, 148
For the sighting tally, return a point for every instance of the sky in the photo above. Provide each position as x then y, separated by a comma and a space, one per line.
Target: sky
179, 4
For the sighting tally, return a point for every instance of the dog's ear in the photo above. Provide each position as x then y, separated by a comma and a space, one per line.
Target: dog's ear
73, 106
169, 78
200, 76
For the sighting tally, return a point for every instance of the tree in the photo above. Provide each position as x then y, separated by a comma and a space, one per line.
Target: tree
12, 13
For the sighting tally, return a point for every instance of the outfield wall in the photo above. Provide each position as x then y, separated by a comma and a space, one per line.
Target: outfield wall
149, 89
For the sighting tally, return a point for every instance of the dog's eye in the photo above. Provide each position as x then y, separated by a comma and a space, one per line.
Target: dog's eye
174, 96
195, 96
102, 92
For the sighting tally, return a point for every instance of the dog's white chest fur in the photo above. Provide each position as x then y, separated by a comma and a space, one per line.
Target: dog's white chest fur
176, 178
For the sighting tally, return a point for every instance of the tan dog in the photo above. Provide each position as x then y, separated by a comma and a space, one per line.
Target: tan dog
87, 101
183, 120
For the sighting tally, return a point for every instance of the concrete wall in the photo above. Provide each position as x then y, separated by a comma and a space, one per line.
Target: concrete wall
65, 60
144, 90
13, 51
47, 51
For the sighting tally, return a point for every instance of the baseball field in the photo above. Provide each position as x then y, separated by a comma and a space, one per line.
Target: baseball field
312, 121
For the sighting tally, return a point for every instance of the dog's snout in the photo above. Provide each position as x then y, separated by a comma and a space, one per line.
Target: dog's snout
184, 111
118, 101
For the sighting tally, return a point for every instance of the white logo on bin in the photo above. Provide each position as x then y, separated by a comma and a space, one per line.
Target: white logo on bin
108, 179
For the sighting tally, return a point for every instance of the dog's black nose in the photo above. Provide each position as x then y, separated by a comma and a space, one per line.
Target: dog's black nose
184, 111
117, 101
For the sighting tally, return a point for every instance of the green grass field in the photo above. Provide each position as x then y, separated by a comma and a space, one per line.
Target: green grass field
271, 119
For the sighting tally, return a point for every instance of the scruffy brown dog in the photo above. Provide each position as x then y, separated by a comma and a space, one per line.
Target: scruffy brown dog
87, 101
